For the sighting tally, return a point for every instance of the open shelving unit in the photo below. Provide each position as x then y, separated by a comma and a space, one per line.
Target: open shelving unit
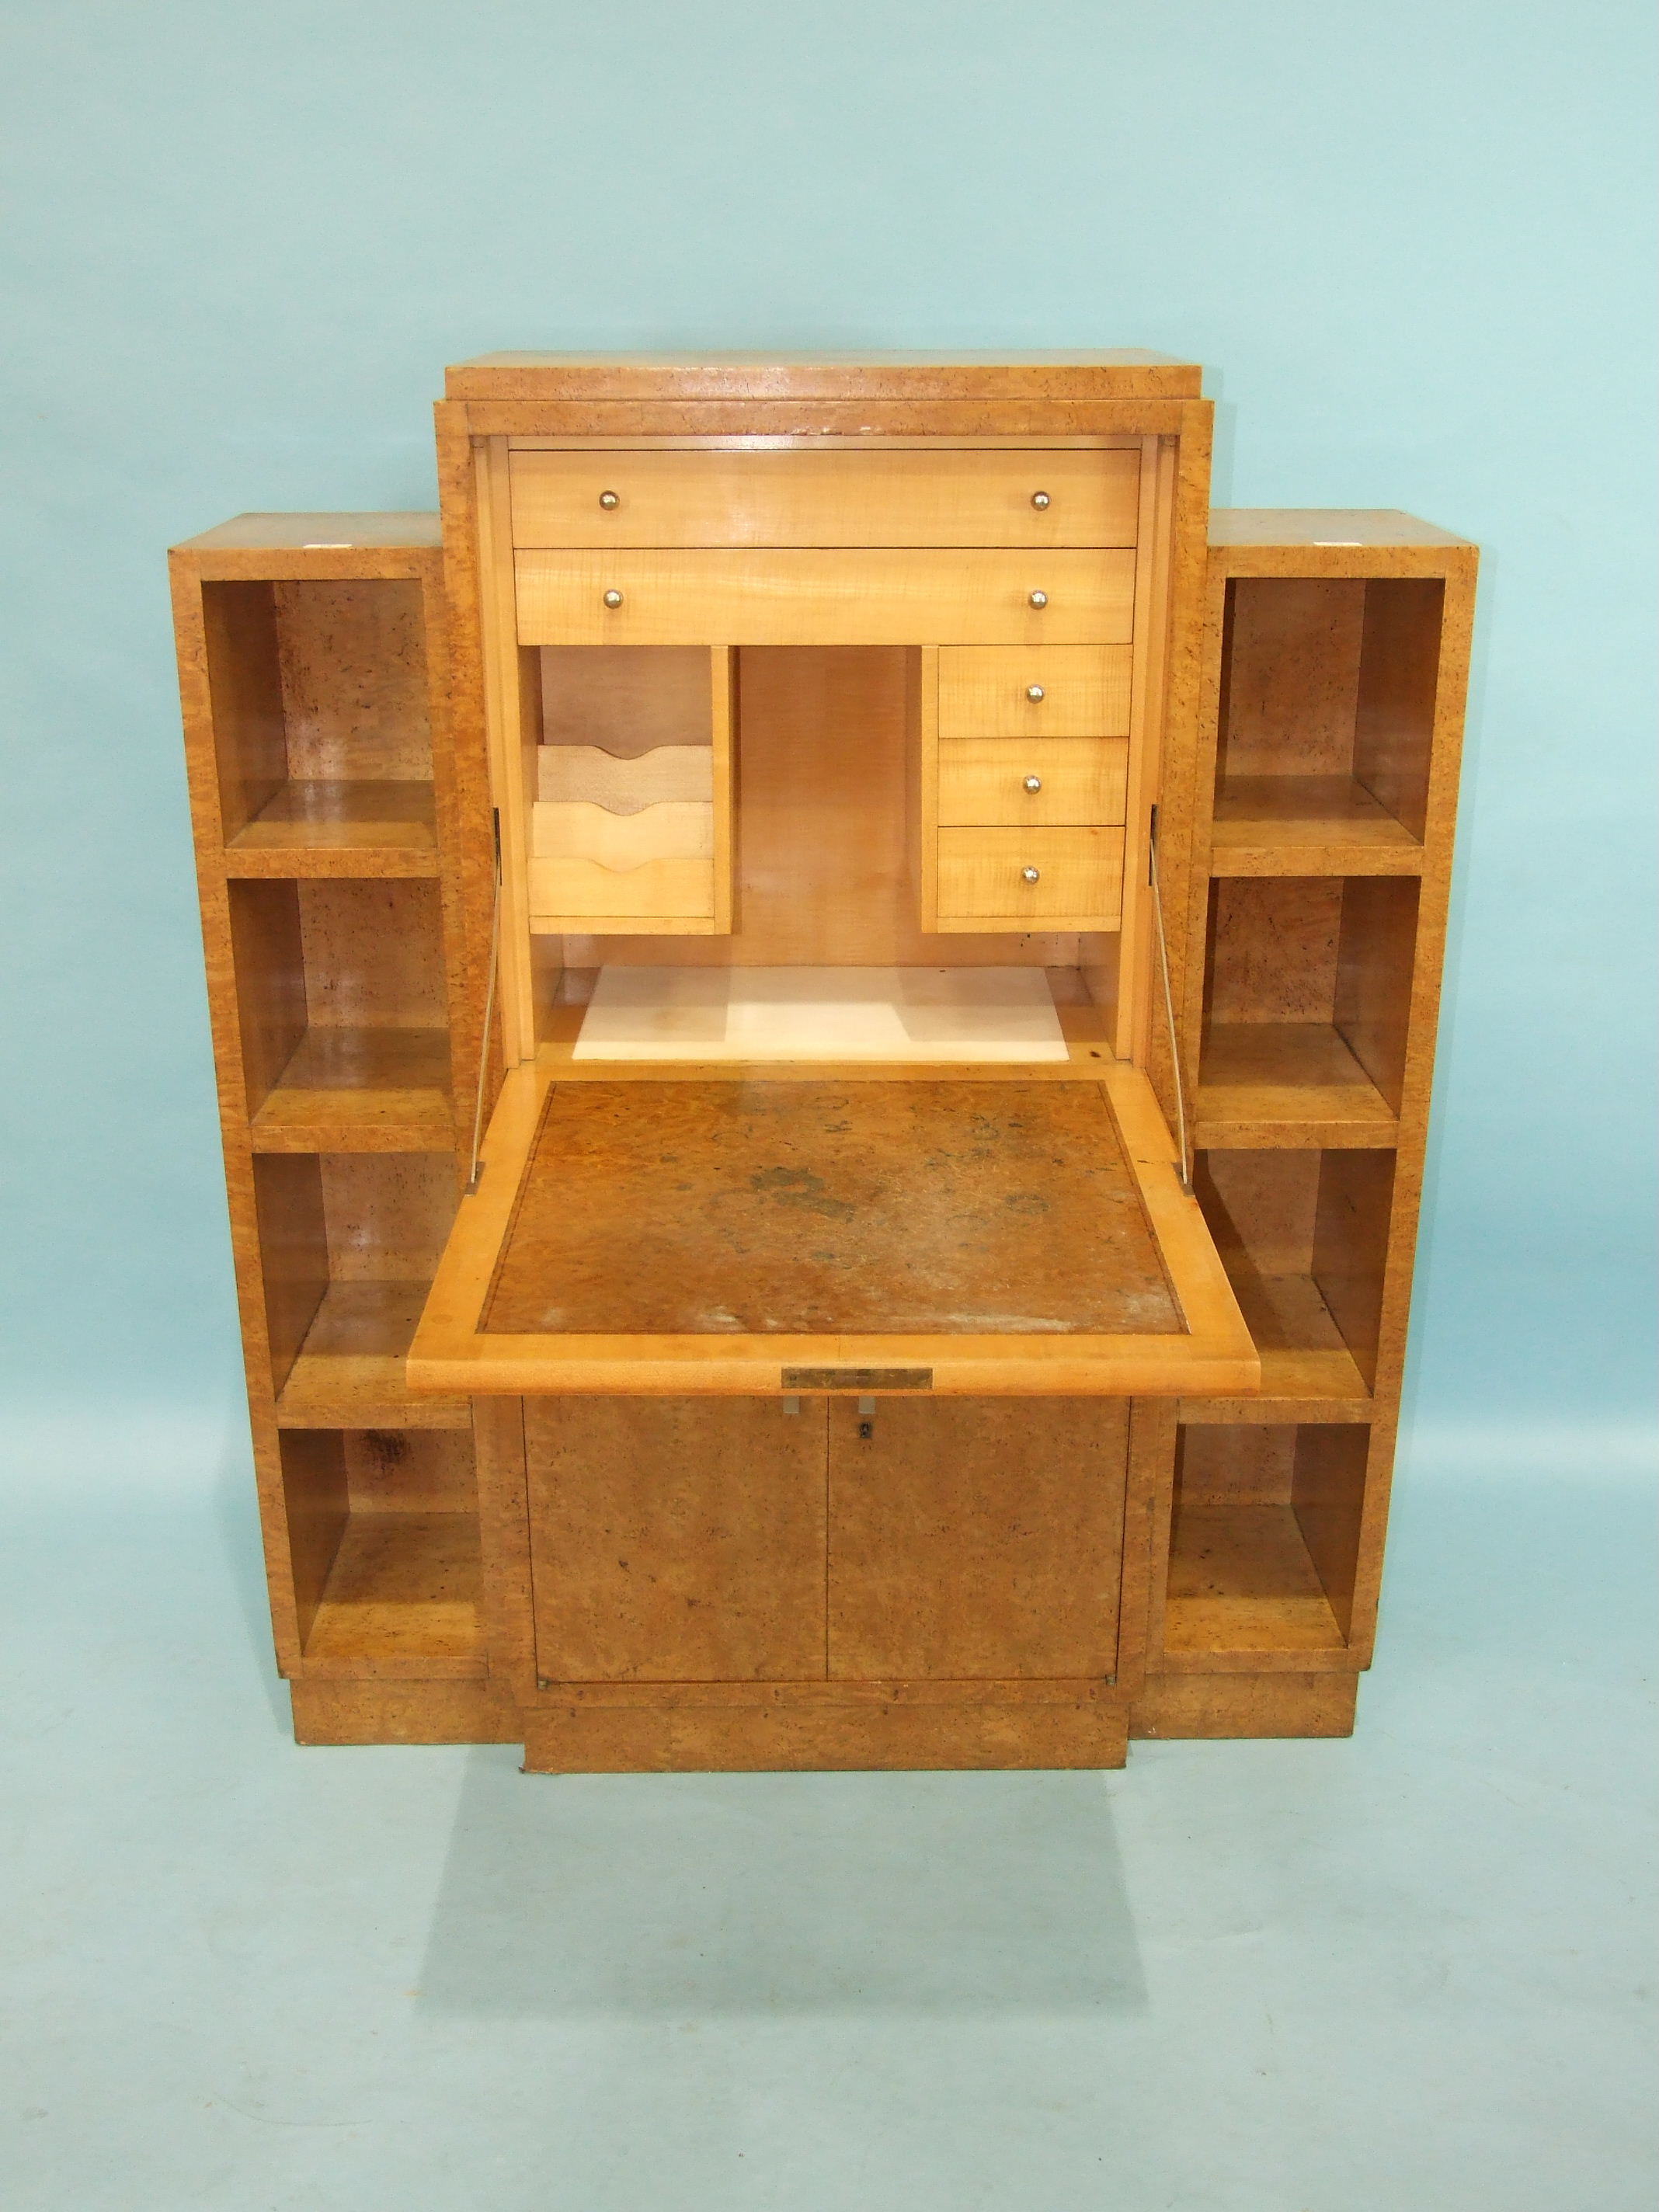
1326, 776
339, 874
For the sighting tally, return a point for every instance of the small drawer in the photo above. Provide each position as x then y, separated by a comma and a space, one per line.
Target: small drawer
1036, 690
681, 887
1081, 781
917, 496
798, 597
985, 875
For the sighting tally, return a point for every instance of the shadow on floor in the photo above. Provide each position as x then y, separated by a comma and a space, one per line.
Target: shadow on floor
652, 1895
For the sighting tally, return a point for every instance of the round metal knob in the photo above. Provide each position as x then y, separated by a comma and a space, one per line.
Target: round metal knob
1039, 599
1034, 783
608, 499
1039, 499
1034, 692
613, 598
1029, 875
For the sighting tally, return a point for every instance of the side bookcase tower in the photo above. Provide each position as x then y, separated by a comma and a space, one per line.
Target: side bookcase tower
604, 712
1323, 800
343, 857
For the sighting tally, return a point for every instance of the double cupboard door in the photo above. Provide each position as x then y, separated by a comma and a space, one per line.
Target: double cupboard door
770, 1540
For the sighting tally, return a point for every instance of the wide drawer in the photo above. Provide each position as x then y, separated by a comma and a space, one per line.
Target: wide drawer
965, 496
983, 874
1082, 691
1079, 781
791, 597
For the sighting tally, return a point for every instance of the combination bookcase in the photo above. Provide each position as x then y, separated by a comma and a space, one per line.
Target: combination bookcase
768, 804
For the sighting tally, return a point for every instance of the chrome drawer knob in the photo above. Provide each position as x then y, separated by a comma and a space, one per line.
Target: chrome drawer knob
1039, 499
608, 499
1034, 692
1034, 783
613, 598
1039, 599
1031, 875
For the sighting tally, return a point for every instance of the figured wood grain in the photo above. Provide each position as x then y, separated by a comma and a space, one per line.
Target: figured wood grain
981, 879
370, 1708
790, 597
973, 1538
354, 679
677, 1540
983, 781
571, 774
762, 497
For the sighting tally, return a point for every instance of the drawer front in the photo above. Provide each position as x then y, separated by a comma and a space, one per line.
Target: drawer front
796, 598
985, 691
982, 876
965, 496
988, 780
680, 888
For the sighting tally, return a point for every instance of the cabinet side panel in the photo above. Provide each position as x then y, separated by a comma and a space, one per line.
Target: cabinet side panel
293, 1242
1398, 676
1372, 1002
245, 685
1351, 1239
268, 959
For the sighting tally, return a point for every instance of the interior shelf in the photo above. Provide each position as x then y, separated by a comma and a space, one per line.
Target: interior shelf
1303, 1239
1306, 1010
360, 1088
1300, 825
349, 1367
1328, 687
1241, 1580
319, 826
402, 1585
351, 1241
383, 1539
1286, 1083
340, 985
1264, 1544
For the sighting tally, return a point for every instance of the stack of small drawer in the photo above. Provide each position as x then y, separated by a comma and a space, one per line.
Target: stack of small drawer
1033, 766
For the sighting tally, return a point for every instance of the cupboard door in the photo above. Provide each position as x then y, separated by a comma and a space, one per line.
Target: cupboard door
677, 1540
977, 1538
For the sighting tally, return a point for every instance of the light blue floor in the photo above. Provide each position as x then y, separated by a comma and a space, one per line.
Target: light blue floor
1407, 1972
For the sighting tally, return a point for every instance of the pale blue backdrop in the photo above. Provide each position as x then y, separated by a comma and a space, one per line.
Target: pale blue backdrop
1411, 245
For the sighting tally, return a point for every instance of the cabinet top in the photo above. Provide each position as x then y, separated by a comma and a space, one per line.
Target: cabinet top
1117, 373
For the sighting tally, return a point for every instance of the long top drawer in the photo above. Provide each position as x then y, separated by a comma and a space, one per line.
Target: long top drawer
1034, 497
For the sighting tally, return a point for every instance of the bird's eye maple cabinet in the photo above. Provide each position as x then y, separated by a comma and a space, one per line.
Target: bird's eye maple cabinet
938, 935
